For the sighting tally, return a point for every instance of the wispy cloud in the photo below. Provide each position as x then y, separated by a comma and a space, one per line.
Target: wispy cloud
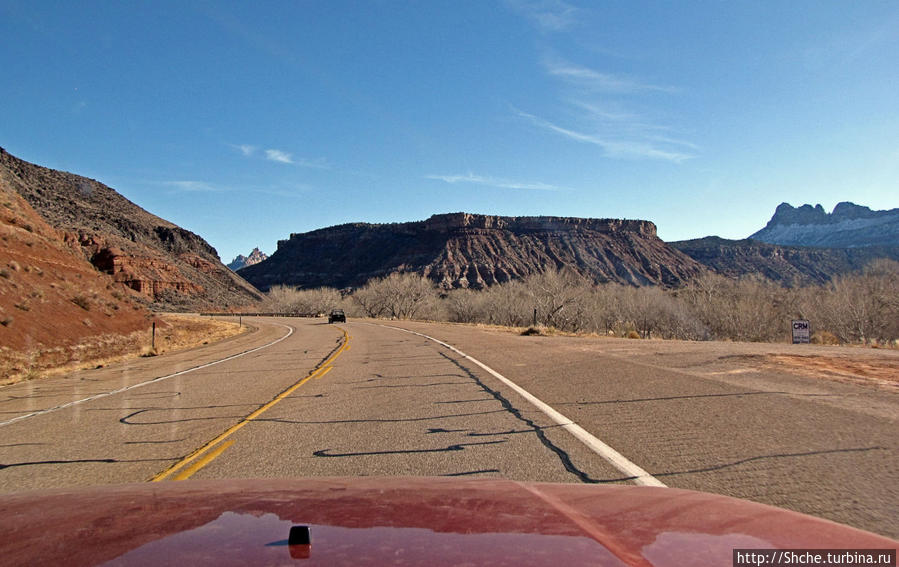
193, 186
629, 124
245, 149
279, 156
601, 103
598, 81
282, 156
615, 148
494, 182
605, 112
547, 15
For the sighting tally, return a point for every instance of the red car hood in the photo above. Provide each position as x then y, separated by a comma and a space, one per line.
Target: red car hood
400, 521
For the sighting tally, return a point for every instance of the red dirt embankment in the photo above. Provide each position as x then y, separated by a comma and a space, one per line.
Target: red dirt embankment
50, 296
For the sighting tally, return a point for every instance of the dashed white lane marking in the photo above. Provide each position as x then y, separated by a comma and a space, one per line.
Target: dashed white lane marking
614, 458
153, 381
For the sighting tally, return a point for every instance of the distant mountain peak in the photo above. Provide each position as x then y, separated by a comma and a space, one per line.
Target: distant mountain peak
848, 226
849, 210
243, 261
785, 213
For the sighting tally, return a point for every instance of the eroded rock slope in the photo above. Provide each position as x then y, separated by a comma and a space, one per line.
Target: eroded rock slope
168, 266
468, 250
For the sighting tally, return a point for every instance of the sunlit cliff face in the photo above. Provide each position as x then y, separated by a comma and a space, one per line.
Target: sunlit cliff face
476, 251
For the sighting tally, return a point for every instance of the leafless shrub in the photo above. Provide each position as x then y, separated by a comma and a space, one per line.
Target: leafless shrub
370, 301
464, 305
559, 298
860, 308
507, 304
824, 338
857, 308
398, 296
308, 302
82, 301
654, 312
605, 310
748, 309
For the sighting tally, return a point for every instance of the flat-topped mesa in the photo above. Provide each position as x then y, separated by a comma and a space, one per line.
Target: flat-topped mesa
451, 222
455, 221
475, 251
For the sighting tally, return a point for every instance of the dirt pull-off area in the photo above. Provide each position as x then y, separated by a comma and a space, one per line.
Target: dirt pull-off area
173, 333
841, 368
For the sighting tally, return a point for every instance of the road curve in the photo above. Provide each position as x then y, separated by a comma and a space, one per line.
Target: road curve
127, 422
364, 399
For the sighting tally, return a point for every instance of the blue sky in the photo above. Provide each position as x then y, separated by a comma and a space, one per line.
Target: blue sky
245, 122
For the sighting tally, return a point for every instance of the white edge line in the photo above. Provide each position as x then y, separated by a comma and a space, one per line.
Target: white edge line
154, 380
615, 458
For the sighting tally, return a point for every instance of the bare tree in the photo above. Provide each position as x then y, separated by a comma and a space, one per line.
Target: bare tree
293, 301
507, 304
558, 296
465, 305
370, 300
399, 296
861, 307
749, 309
654, 311
856, 308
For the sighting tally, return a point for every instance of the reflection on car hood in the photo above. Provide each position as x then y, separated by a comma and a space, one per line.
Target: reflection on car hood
399, 521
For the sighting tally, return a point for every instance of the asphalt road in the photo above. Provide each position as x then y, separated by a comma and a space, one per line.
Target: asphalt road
299, 397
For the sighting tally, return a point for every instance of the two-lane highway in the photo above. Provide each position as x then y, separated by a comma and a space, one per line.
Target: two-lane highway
399, 404
299, 397
304, 399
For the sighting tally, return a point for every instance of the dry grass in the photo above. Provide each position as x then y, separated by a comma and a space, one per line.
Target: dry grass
173, 333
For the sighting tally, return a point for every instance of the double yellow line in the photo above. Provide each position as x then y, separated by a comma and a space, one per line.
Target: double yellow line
186, 467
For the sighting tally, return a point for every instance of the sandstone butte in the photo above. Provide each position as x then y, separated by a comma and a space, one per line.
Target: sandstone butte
473, 251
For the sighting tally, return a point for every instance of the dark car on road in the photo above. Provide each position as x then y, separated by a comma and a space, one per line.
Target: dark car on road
337, 316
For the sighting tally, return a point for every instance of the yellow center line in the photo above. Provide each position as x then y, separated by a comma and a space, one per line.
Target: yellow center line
204, 451
189, 471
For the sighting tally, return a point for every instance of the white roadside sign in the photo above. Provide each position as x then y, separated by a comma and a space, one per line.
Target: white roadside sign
801, 333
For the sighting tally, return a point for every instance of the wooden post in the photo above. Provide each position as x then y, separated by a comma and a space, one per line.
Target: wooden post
153, 341
535, 316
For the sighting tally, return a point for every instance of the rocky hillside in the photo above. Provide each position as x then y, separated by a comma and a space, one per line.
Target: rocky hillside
243, 261
848, 226
787, 265
466, 250
169, 267
50, 295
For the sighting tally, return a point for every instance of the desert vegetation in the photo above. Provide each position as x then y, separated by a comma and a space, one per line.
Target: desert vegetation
857, 308
173, 332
